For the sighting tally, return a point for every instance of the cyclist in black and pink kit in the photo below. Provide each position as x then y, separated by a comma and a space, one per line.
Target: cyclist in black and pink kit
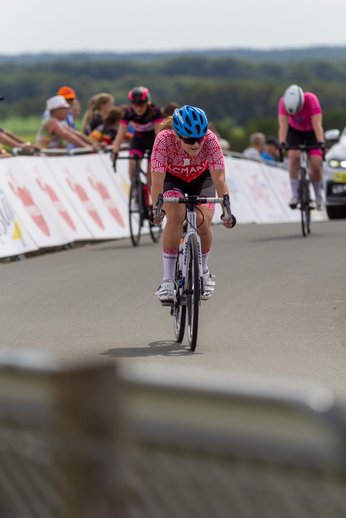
145, 118
186, 159
300, 122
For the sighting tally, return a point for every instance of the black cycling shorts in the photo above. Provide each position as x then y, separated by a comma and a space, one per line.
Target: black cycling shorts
201, 186
139, 144
295, 138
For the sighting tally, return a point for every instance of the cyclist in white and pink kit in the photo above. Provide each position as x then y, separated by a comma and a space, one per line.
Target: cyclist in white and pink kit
300, 122
186, 159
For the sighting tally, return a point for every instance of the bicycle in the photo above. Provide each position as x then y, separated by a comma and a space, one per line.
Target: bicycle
188, 281
139, 207
305, 202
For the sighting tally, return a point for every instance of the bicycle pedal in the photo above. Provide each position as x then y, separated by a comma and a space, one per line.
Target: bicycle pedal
168, 303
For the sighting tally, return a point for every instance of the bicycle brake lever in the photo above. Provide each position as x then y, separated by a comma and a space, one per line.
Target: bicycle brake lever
115, 162
159, 204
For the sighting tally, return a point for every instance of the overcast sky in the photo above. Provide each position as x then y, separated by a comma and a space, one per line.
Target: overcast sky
134, 25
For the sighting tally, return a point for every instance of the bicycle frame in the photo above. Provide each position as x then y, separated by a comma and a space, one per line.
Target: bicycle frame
191, 217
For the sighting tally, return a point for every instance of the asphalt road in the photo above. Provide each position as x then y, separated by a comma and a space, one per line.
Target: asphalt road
278, 312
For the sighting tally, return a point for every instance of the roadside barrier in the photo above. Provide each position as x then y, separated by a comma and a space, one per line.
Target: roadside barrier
48, 201
63, 450
84, 442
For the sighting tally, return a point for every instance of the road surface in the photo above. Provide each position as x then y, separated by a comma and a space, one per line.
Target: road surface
278, 310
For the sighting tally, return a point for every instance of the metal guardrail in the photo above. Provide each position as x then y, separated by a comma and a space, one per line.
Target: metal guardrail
17, 151
234, 154
124, 147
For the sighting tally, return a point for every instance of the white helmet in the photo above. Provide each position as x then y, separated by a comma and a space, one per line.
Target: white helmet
293, 99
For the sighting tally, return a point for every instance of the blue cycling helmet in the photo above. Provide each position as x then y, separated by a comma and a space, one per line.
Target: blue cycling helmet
190, 122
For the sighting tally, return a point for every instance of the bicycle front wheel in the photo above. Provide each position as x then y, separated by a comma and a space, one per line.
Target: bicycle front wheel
305, 208
192, 292
135, 214
179, 309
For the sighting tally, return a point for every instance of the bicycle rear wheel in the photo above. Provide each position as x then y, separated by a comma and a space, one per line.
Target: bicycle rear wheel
135, 213
192, 292
178, 310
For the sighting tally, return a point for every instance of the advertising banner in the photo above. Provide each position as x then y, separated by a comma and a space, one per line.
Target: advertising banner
64, 211
14, 239
241, 205
92, 194
30, 202
279, 181
258, 192
120, 178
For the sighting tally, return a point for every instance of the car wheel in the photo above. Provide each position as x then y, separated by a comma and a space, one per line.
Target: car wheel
336, 211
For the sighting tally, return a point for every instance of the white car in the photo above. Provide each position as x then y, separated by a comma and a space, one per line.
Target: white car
334, 175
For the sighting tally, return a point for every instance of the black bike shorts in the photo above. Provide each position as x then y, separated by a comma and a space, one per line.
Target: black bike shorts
295, 138
139, 144
175, 187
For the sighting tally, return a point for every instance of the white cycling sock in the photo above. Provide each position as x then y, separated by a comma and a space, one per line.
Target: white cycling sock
294, 187
205, 256
317, 188
169, 259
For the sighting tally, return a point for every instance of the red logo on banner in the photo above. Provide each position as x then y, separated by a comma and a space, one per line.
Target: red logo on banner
48, 189
87, 204
31, 208
260, 190
107, 200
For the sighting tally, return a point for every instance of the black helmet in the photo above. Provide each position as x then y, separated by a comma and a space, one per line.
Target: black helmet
139, 95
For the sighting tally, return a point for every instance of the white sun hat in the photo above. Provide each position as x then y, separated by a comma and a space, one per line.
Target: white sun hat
58, 101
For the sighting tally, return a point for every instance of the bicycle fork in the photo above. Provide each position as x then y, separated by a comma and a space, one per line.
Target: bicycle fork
185, 255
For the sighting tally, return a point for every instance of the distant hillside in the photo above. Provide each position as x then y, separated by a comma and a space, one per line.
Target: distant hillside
260, 56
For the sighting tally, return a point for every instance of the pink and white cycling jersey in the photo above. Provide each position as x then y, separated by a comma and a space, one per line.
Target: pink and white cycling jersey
301, 121
168, 156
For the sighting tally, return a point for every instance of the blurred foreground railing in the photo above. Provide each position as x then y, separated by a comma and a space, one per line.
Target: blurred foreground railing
236, 451
81, 443
62, 443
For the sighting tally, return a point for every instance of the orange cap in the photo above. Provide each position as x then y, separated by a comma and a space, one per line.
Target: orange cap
67, 92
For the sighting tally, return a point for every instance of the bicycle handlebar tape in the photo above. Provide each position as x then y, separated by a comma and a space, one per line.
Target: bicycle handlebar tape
233, 218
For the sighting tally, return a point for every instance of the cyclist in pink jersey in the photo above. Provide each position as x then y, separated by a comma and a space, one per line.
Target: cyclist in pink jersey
300, 122
186, 159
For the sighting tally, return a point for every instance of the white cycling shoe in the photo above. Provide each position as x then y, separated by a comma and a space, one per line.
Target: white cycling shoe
165, 293
209, 286
319, 202
294, 202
